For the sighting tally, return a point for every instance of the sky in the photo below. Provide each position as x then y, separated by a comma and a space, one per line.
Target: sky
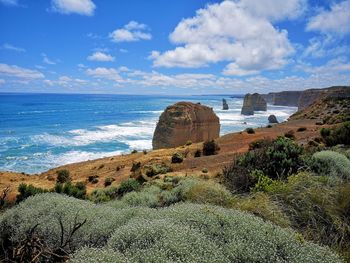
177, 47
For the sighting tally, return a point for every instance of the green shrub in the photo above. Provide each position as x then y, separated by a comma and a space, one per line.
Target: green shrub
28, 190
77, 190
337, 135
92, 179
197, 153
133, 151
135, 166
108, 181
103, 195
210, 148
205, 170
63, 176
49, 211
250, 130
290, 135
157, 168
128, 185
331, 163
301, 129
177, 158
188, 143
93, 255
197, 233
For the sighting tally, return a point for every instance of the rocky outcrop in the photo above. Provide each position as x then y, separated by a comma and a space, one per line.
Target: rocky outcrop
284, 98
183, 122
224, 104
310, 96
272, 119
253, 102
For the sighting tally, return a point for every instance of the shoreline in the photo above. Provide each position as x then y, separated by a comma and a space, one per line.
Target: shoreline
230, 144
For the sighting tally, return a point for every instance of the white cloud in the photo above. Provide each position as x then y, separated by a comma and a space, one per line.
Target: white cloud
9, 2
2, 81
133, 31
19, 72
275, 9
106, 73
100, 56
46, 60
227, 32
336, 65
336, 20
122, 50
65, 81
81, 7
324, 45
12, 48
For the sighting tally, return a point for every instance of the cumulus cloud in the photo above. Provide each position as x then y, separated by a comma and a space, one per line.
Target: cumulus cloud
232, 32
19, 72
100, 56
133, 31
104, 73
336, 20
275, 9
81, 7
12, 48
65, 81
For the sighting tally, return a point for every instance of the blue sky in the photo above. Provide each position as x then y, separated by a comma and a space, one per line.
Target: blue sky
173, 47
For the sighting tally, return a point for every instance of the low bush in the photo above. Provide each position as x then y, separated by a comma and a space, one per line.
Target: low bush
250, 130
210, 148
331, 163
128, 185
197, 153
92, 179
157, 168
77, 190
26, 190
108, 181
337, 135
200, 233
188, 143
177, 158
301, 129
290, 135
63, 176
133, 151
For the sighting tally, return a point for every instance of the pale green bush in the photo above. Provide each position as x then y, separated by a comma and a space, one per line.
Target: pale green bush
200, 233
47, 210
97, 255
331, 163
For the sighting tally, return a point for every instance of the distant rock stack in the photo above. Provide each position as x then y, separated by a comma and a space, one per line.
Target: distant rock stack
253, 102
224, 104
272, 119
183, 122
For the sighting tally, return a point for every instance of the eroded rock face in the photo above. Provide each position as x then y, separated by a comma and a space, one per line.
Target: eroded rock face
224, 104
272, 119
310, 96
183, 122
253, 102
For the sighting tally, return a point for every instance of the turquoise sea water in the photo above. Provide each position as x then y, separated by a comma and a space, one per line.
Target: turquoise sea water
42, 131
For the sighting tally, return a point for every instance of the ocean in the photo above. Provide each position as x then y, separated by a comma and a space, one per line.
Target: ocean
42, 131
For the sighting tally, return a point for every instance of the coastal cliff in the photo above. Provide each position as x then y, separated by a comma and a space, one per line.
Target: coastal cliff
253, 102
303, 99
183, 122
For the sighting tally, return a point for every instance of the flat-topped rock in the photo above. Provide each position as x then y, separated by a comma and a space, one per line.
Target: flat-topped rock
183, 122
253, 102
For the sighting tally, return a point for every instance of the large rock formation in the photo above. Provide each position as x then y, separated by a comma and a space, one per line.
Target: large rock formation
310, 96
224, 104
183, 122
253, 102
284, 98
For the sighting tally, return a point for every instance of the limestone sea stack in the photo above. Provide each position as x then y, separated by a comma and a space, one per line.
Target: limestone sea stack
183, 122
224, 104
253, 102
